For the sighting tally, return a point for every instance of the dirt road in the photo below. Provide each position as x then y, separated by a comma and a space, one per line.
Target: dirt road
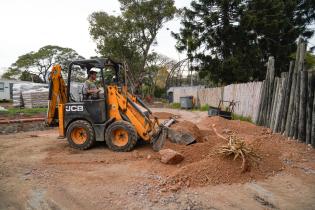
39, 171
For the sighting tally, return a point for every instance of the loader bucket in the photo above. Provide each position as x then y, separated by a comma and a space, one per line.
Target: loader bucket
159, 139
174, 136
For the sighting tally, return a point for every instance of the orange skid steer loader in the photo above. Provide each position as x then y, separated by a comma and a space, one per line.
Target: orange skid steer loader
117, 117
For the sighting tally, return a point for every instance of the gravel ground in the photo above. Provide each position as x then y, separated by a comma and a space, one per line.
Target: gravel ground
39, 171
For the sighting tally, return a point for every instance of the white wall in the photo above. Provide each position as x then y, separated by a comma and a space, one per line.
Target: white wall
247, 96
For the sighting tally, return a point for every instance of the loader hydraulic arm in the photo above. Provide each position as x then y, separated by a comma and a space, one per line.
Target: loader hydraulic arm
123, 107
57, 94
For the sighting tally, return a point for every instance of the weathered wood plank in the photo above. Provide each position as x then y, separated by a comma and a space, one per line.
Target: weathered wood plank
302, 106
297, 106
311, 88
284, 78
313, 123
275, 102
271, 90
291, 114
287, 97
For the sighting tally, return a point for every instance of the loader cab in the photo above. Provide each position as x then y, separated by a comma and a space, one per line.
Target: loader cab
93, 111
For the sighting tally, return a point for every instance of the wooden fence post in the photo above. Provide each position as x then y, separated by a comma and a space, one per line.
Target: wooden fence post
302, 106
313, 123
273, 103
309, 108
297, 107
287, 97
280, 107
271, 90
291, 113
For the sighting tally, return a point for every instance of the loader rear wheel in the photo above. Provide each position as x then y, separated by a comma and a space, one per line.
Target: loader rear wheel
80, 135
121, 136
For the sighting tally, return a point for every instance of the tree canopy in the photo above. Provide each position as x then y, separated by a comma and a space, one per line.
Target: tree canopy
37, 64
230, 40
129, 37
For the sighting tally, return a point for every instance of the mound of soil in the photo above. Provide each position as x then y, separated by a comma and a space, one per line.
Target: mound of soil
202, 166
163, 115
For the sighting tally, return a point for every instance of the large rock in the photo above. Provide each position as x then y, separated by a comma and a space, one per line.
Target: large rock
169, 156
184, 132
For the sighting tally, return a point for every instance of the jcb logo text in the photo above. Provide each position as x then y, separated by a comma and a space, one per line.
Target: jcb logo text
74, 108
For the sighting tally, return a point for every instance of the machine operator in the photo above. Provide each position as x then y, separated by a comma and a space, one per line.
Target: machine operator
90, 89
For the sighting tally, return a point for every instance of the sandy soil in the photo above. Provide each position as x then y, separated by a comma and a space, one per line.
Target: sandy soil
39, 171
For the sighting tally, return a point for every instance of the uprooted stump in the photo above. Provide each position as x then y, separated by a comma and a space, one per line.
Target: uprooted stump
169, 156
237, 148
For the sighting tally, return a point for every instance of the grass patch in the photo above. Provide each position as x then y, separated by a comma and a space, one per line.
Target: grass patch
175, 105
164, 101
204, 108
5, 101
241, 118
18, 111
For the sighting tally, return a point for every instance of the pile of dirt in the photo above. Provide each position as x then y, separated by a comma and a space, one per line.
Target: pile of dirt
203, 166
164, 115
188, 127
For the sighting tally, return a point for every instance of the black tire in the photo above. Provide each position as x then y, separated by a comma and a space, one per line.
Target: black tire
129, 141
86, 129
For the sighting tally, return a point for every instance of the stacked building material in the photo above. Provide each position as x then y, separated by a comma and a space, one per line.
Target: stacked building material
35, 98
20, 88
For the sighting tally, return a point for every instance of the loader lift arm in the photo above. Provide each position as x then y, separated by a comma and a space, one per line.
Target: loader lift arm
57, 94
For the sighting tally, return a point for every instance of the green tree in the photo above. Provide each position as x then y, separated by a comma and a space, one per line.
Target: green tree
40, 62
156, 72
114, 39
210, 35
11, 73
130, 36
274, 26
231, 40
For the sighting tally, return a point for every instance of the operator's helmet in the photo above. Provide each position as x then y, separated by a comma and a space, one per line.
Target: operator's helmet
92, 71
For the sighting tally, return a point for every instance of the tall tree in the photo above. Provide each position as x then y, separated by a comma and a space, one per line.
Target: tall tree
209, 34
231, 40
114, 39
274, 27
130, 36
41, 61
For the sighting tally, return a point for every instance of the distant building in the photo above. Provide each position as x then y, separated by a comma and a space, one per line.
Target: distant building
6, 89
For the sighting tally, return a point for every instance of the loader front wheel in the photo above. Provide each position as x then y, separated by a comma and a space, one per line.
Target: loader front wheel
80, 135
121, 136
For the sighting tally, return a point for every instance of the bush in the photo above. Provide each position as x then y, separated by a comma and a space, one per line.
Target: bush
159, 92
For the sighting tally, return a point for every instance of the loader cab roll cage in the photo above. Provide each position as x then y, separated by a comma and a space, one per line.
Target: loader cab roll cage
88, 64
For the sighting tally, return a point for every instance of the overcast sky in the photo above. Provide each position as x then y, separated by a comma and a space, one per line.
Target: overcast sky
27, 25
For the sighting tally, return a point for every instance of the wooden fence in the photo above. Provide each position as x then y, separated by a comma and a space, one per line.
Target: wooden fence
285, 104
288, 103
247, 96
